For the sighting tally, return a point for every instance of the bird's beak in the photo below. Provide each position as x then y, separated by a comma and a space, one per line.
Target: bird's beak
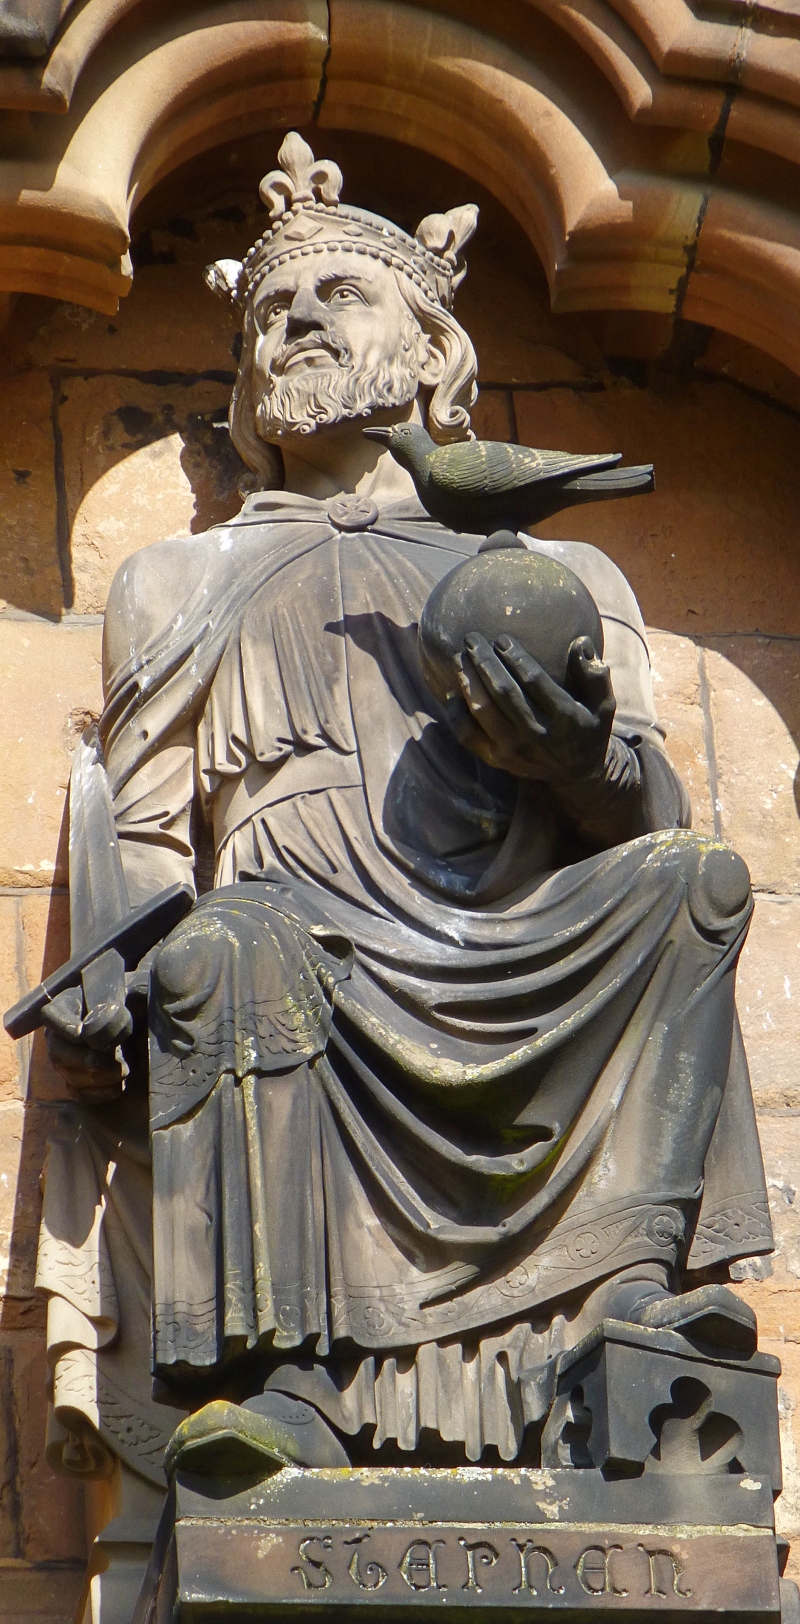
378, 434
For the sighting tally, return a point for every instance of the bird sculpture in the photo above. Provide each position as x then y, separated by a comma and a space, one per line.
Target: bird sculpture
487, 487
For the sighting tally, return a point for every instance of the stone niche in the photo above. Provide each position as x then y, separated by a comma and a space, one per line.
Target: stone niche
115, 437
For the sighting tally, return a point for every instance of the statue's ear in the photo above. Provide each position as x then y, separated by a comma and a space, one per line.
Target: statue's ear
432, 368
223, 279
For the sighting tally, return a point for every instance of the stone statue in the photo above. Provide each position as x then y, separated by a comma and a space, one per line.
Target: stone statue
444, 1067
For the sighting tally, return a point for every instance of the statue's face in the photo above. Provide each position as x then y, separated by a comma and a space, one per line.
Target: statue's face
334, 340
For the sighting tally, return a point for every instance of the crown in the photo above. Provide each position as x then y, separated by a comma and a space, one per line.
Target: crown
306, 217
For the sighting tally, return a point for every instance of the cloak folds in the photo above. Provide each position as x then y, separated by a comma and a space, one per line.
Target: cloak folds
422, 1071
326, 1172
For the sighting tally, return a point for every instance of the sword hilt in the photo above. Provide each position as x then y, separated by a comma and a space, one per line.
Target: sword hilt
131, 938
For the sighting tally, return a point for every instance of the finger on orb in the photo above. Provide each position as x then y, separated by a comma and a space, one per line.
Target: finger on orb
508, 696
538, 687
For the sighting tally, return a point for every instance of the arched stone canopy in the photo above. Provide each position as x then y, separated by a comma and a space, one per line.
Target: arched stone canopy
650, 155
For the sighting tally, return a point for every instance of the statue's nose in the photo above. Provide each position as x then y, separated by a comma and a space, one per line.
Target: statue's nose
306, 314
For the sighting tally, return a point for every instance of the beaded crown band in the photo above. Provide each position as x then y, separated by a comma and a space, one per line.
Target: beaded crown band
307, 218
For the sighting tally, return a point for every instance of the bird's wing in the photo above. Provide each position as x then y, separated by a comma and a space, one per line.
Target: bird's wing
615, 481
490, 468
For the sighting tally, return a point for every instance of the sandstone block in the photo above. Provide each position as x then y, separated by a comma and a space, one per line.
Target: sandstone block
51, 1507
743, 363
46, 1595
10, 1510
45, 945
714, 548
636, 335
492, 417
23, 1134
755, 705
169, 322
676, 689
775, 1296
17, 1206
142, 462
768, 996
505, 307
12, 1056
787, 1509
53, 673
30, 577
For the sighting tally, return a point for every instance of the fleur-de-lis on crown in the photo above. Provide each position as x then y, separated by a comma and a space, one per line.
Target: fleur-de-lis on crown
303, 179
447, 234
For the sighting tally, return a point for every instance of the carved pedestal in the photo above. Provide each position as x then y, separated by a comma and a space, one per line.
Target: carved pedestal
328, 1541
657, 1498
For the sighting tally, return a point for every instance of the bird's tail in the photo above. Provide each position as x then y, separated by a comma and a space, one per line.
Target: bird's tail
611, 482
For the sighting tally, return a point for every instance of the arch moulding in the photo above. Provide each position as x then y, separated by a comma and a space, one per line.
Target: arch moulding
639, 159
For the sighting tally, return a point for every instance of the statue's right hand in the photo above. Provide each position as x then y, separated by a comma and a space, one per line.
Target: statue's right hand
85, 1046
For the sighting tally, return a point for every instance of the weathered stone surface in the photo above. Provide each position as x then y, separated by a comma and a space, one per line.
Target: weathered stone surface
23, 1135
768, 996
45, 945
169, 322
53, 673
492, 415
774, 1300
743, 363
40, 1595
714, 549
631, 335
780, 1144
754, 689
273, 1545
12, 1056
677, 693
517, 338
787, 1510
142, 462
51, 1509
771, 1287
29, 571
10, 1511
772, 1290
18, 1207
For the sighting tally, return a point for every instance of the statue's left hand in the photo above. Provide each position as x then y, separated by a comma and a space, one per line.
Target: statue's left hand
525, 723
85, 1048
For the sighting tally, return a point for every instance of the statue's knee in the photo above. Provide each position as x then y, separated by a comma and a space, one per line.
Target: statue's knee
718, 881
721, 887
198, 955
188, 959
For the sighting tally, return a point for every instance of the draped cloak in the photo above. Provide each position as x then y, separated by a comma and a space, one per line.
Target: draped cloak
422, 1066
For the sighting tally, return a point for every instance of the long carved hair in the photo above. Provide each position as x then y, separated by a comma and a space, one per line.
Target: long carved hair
445, 406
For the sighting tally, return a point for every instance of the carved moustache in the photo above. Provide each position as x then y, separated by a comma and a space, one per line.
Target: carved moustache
319, 340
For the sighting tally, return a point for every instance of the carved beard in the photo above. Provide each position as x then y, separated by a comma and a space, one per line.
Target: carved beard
303, 400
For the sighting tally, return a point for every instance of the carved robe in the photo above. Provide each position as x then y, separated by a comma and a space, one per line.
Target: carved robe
423, 1067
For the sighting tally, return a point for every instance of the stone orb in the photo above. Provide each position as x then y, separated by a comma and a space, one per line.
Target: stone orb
509, 592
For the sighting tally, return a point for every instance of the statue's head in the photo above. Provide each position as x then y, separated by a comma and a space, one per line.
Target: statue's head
343, 314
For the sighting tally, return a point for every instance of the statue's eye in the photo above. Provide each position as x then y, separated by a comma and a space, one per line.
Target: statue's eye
270, 311
345, 295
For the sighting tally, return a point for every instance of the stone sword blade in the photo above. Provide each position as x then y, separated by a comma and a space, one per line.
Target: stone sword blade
107, 935
98, 893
